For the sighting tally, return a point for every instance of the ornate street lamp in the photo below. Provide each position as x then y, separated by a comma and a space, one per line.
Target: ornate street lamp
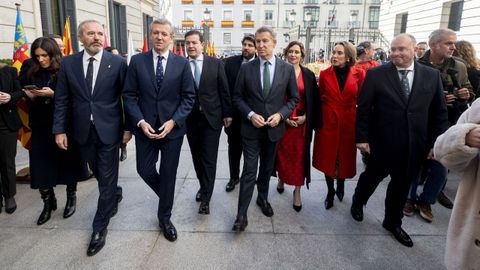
206, 27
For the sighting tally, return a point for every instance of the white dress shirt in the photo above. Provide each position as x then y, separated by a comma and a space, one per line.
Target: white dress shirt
96, 65
164, 61
271, 67
199, 60
410, 75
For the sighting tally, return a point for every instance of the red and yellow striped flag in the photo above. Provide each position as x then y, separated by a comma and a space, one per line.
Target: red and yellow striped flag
67, 38
20, 54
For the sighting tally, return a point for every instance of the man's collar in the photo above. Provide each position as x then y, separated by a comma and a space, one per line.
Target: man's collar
98, 56
199, 58
271, 60
165, 54
411, 67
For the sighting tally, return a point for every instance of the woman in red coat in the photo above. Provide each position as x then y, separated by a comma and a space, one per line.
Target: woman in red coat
334, 151
293, 152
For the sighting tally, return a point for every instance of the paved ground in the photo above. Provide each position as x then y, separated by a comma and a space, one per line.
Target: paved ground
312, 239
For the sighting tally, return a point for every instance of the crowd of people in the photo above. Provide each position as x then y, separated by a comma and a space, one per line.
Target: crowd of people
83, 107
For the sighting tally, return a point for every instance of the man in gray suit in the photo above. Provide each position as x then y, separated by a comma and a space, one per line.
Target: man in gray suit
259, 96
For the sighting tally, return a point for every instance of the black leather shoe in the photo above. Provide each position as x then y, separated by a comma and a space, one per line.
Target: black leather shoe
400, 235
115, 209
357, 211
204, 208
241, 222
231, 184
198, 197
340, 189
10, 205
444, 200
49, 205
329, 200
265, 206
169, 231
70, 205
280, 189
97, 242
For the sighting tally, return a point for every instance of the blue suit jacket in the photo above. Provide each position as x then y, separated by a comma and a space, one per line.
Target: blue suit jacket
74, 103
142, 99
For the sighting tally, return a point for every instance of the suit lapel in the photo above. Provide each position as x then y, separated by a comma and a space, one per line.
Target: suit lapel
392, 76
102, 71
205, 69
150, 67
417, 82
278, 72
171, 65
256, 78
79, 72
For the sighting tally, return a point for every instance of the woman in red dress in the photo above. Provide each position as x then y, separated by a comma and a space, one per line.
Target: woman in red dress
293, 152
334, 151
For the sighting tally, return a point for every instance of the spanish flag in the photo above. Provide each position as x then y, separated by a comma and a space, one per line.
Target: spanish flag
20, 53
67, 38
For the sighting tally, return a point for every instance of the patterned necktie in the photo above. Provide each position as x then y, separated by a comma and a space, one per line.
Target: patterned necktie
89, 77
404, 82
266, 79
196, 73
159, 73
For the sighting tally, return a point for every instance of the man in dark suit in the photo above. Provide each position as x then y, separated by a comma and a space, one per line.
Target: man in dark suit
399, 116
232, 66
158, 96
265, 94
212, 109
88, 99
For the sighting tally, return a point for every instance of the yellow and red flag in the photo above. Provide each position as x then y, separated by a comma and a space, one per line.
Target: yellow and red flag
67, 38
20, 54
145, 44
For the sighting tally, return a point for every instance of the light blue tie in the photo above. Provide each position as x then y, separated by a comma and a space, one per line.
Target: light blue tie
196, 73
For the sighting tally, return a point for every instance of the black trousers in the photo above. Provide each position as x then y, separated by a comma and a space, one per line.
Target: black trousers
162, 182
253, 149
235, 148
203, 141
397, 190
103, 161
8, 151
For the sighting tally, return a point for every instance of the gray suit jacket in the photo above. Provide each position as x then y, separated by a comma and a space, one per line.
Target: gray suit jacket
283, 97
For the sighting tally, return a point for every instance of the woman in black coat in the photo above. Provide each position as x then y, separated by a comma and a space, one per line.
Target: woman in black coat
49, 165
466, 51
10, 93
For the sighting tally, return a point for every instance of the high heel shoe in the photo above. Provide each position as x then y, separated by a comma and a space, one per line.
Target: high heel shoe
280, 189
340, 189
329, 200
297, 208
49, 205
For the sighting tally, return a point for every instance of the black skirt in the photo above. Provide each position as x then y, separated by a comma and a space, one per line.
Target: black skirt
51, 166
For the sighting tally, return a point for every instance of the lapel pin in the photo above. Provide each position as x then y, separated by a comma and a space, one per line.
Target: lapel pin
109, 66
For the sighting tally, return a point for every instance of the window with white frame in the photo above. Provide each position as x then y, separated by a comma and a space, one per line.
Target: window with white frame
227, 15
247, 15
227, 38
188, 15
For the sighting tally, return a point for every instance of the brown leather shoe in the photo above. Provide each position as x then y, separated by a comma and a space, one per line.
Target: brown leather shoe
425, 211
409, 208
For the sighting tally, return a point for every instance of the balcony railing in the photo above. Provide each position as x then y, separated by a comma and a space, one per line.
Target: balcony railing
226, 23
208, 2
227, 1
373, 25
248, 24
268, 2
209, 23
248, 1
187, 1
187, 23
290, 2
268, 23
354, 24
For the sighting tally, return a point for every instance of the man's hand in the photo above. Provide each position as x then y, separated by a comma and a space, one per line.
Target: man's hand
127, 136
148, 130
227, 121
274, 120
363, 147
29, 94
257, 120
463, 94
4, 97
472, 138
450, 98
300, 119
430, 154
61, 141
166, 128
291, 122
